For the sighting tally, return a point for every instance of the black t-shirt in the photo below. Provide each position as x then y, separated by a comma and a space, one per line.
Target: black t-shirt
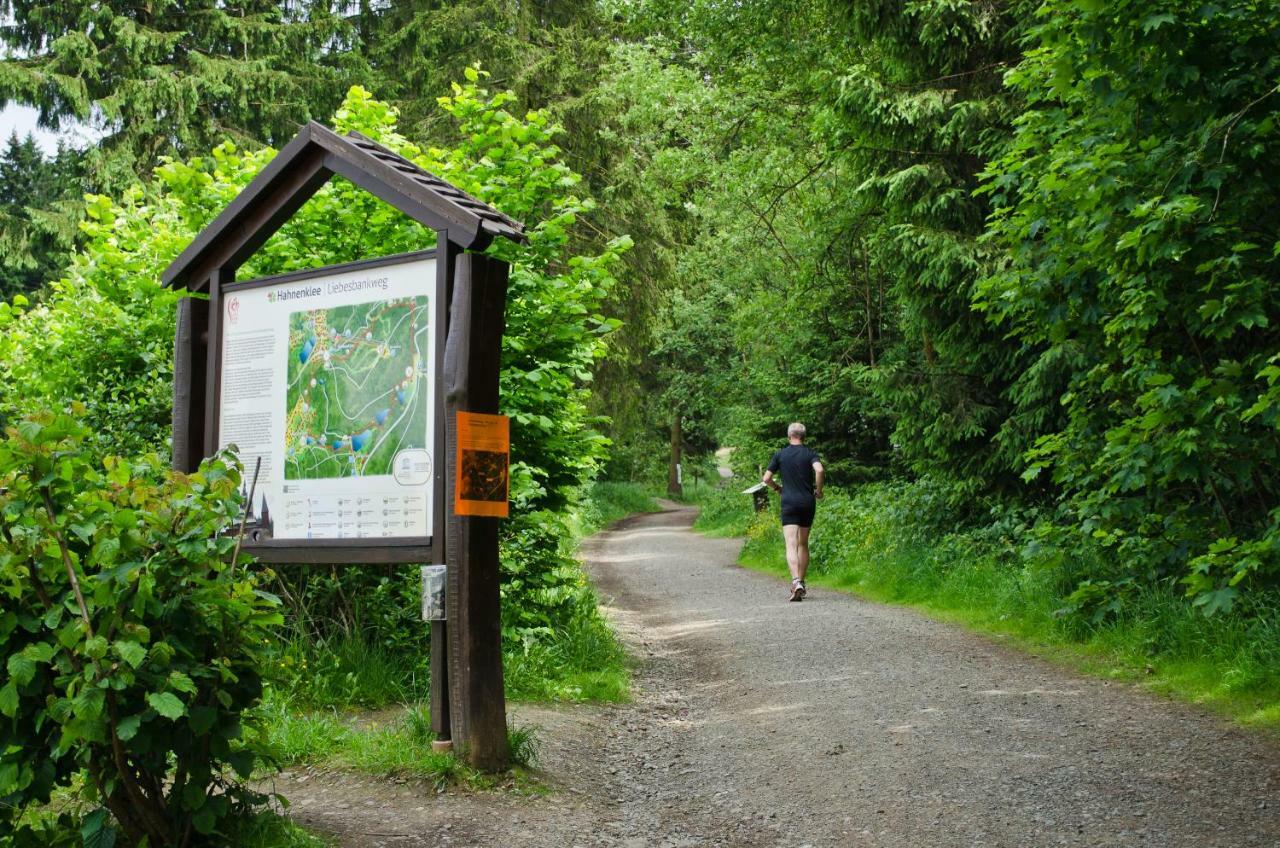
796, 464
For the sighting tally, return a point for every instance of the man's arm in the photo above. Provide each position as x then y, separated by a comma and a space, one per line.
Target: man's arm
770, 482
819, 474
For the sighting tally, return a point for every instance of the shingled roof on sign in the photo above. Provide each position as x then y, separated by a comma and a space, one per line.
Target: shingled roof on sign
299, 170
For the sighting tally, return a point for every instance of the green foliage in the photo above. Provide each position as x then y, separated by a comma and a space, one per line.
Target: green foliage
103, 335
1136, 205
605, 503
543, 50
724, 512
269, 830
39, 203
580, 660
131, 642
396, 745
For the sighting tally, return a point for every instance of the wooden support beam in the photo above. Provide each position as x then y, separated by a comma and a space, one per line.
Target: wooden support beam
190, 358
473, 359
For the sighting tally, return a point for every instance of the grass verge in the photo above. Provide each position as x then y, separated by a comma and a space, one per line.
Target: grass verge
269, 830
607, 502
1229, 663
390, 744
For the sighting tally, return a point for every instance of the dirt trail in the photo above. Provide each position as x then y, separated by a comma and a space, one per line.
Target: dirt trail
833, 722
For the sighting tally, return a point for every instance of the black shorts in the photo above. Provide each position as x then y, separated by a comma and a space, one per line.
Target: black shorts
801, 513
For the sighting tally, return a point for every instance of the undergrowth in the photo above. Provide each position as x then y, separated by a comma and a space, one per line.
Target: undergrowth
387, 744
269, 830
886, 543
606, 502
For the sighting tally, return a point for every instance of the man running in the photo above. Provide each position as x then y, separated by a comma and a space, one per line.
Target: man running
801, 489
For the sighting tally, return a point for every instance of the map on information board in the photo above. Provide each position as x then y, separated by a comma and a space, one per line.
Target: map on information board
328, 388
356, 388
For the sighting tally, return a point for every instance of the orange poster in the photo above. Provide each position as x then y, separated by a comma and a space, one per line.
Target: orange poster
484, 461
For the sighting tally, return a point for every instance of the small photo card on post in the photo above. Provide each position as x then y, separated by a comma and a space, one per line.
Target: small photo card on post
484, 463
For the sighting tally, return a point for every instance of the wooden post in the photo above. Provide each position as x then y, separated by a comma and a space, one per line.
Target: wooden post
191, 389
472, 362
440, 724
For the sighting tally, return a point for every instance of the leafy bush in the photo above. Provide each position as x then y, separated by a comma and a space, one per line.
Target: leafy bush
1136, 208
132, 642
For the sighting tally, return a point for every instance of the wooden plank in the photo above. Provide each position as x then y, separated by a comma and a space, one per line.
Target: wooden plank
190, 356
473, 359
330, 552
253, 217
298, 171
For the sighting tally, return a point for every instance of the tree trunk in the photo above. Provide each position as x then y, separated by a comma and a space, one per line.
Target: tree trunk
673, 472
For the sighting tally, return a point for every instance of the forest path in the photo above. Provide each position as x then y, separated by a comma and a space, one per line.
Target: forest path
832, 722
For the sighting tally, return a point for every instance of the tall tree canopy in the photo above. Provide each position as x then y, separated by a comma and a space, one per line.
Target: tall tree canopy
39, 203
165, 76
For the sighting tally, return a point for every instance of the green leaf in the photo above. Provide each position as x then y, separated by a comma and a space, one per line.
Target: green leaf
21, 669
95, 647
167, 704
242, 762
1216, 601
205, 819
181, 683
97, 830
9, 700
128, 727
131, 652
202, 719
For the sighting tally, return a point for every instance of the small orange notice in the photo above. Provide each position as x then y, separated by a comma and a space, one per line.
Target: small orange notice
484, 461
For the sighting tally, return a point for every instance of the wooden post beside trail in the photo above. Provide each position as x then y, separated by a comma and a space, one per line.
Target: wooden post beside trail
472, 362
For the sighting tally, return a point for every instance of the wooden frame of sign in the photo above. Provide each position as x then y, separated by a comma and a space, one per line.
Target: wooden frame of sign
466, 315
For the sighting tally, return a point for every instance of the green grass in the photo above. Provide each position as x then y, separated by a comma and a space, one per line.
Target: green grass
723, 511
389, 744
581, 661
351, 671
269, 830
1229, 663
607, 502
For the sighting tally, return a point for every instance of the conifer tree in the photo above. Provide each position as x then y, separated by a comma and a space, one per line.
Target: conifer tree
545, 51
164, 76
37, 226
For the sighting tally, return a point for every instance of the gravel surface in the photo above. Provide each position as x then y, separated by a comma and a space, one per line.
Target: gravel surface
832, 722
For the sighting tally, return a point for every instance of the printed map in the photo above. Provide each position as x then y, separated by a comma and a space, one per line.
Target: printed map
357, 388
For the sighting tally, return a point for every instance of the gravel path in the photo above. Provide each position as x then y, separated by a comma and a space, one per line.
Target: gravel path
833, 722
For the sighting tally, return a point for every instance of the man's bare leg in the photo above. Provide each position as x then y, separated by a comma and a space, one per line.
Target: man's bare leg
802, 553
791, 534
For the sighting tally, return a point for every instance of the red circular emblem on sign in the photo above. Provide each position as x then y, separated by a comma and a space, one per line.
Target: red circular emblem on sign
233, 310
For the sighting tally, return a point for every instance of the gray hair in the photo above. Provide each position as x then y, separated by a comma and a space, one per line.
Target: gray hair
795, 430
